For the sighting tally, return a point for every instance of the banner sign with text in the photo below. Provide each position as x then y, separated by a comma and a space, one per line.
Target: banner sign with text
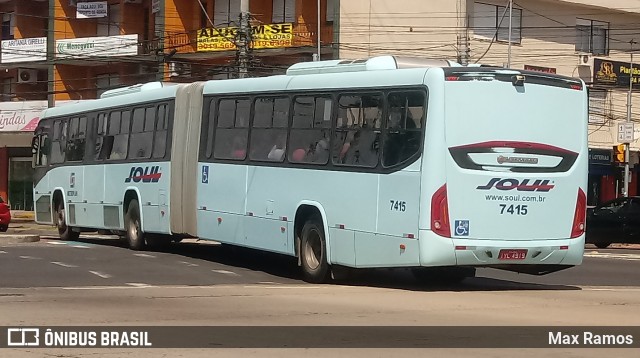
264, 36
101, 46
85, 10
615, 73
24, 50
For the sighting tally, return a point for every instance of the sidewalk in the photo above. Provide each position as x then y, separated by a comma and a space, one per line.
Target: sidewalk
18, 216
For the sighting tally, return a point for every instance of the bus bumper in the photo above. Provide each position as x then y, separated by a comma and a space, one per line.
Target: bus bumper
436, 250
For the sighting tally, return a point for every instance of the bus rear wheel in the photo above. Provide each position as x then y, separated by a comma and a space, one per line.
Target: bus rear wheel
134, 233
65, 232
313, 252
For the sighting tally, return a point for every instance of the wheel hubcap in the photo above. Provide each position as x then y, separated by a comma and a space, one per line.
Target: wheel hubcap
313, 250
61, 220
133, 229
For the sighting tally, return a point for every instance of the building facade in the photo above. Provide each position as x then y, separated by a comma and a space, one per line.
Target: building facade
57, 51
589, 39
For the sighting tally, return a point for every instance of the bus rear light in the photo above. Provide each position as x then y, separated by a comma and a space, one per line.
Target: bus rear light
440, 212
580, 215
451, 78
565, 247
461, 247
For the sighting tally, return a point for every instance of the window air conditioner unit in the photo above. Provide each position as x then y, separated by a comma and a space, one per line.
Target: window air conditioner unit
178, 69
26, 75
585, 67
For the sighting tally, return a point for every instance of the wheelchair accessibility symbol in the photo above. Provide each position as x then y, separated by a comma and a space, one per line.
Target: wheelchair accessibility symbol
462, 227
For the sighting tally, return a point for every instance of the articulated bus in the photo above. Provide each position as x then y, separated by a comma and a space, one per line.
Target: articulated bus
386, 162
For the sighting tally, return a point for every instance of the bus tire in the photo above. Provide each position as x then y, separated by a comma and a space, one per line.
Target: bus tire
135, 235
602, 245
65, 232
313, 252
4, 228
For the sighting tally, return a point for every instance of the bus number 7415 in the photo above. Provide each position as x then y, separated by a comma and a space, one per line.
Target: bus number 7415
398, 205
513, 209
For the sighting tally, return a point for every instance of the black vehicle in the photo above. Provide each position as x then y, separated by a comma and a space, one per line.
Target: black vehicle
617, 221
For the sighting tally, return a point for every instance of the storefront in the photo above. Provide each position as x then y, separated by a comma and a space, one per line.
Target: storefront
18, 120
602, 177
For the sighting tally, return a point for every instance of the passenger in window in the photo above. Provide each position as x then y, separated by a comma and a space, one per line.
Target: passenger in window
298, 155
277, 151
239, 150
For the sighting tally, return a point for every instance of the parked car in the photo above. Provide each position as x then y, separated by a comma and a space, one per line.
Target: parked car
617, 221
5, 215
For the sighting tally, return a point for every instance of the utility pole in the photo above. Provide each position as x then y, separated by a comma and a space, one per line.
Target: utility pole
319, 37
509, 48
627, 145
243, 40
51, 46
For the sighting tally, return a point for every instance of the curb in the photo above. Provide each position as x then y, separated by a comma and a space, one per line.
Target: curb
17, 239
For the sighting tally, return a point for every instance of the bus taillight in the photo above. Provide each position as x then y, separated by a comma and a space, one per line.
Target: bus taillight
580, 215
440, 213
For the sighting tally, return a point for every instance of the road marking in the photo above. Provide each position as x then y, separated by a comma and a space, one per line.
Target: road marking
627, 289
225, 272
144, 255
177, 287
141, 285
62, 264
101, 287
55, 243
188, 263
3, 252
81, 247
100, 274
30, 257
607, 255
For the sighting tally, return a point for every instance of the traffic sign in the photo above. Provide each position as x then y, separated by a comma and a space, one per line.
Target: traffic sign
625, 132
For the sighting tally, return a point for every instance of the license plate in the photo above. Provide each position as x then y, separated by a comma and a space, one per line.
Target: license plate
512, 254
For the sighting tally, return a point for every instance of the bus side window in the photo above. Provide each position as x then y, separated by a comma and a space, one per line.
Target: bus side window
357, 135
162, 127
142, 128
59, 141
406, 113
232, 129
310, 130
103, 144
269, 132
42, 145
120, 136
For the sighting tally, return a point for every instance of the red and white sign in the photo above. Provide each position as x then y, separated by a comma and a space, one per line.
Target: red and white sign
20, 116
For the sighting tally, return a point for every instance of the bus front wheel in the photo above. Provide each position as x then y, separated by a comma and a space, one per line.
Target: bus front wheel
135, 236
64, 231
313, 252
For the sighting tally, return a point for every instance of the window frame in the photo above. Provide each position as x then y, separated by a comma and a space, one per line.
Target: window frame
591, 25
478, 32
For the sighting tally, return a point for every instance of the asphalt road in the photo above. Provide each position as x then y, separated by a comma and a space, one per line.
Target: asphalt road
105, 260
98, 281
